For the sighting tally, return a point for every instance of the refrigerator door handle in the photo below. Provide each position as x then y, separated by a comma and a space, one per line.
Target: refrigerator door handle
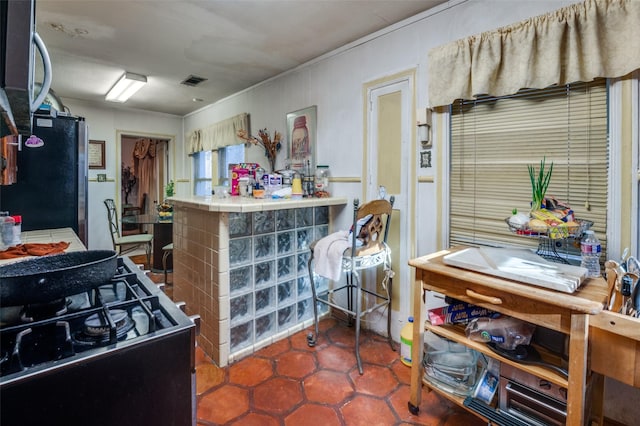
46, 62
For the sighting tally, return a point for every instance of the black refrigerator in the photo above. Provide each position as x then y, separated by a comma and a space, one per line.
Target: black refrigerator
51, 187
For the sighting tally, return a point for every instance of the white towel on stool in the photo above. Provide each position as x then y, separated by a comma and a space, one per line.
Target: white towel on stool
328, 254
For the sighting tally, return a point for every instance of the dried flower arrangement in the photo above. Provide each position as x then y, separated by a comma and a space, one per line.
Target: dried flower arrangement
271, 146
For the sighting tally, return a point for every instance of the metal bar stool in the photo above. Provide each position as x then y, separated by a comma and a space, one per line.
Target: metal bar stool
166, 252
368, 250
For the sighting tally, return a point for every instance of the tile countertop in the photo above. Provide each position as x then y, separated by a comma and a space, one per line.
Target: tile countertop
49, 236
248, 204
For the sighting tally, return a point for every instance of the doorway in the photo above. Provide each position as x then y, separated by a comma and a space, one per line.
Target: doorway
390, 106
144, 172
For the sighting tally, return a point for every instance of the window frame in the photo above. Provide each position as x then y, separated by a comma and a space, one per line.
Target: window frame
614, 145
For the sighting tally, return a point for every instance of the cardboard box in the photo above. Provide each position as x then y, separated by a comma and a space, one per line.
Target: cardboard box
458, 313
241, 170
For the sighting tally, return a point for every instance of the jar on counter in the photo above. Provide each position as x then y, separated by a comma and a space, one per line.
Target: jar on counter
322, 181
7, 223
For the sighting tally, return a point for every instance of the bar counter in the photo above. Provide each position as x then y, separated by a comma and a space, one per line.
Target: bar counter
241, 264
247, 204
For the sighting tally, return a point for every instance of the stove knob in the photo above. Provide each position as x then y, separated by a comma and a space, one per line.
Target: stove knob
161, 287
196, 320
182, 306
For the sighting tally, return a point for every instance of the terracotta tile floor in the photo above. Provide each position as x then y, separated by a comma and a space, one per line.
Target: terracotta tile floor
291, 384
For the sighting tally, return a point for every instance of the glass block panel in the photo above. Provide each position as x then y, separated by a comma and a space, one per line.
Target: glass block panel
239, 251
321, 283
263, 222
241, 336
305, 309
286, 242
304, 237
322, 215
286, 317
240, 280
265, 326
323, 308
265, 300
304, 217
285, 219
265, 273
321, 232
241, 308
264, 246
286, 292
286, 268
303, 263
304, 287
239, 224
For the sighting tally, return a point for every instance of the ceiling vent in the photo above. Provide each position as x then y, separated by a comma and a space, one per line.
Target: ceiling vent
193, 80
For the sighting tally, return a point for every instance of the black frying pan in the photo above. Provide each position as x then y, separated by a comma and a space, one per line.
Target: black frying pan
52, 277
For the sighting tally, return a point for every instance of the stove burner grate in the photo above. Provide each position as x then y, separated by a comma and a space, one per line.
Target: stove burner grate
104, 327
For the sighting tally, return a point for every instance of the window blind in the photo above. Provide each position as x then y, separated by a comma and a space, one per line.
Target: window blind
494, 139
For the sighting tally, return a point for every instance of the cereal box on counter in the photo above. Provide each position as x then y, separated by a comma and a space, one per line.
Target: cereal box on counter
241, 170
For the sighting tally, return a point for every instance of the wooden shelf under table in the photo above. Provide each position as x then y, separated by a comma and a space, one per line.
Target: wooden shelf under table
457, 334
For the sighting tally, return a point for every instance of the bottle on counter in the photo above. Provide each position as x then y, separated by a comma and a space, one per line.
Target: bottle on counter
17, 230
590, 251
7, 224
322, 181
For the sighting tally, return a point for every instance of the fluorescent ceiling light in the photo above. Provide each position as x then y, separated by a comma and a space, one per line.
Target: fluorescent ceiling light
128, 84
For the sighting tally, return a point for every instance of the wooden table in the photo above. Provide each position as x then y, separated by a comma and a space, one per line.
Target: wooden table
567, 313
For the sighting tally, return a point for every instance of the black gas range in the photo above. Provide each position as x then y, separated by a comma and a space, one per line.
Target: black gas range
121, 353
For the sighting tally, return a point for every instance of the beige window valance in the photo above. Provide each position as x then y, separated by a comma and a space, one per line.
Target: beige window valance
597, 38
218, 135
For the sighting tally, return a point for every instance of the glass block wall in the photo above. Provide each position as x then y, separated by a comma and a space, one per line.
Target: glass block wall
269, 282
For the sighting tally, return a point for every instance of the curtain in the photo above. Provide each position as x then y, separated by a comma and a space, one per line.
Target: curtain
597, 38
144, 158
218, 135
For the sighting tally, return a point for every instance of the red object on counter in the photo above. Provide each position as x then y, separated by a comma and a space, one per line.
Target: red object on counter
34, 249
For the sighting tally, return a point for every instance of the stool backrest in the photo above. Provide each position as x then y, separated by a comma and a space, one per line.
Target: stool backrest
373, 233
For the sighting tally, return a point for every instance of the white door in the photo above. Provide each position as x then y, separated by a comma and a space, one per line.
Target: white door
388, 164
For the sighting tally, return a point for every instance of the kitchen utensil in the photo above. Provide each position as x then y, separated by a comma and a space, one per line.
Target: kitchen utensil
612, 276
615, 298
623, 258
626, 286
633, 265
48, 278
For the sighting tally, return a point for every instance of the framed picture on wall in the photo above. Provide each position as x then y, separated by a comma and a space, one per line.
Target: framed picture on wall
96, 155
301, 135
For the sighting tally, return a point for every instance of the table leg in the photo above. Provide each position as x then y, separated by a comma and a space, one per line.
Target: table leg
578, 345
417, 345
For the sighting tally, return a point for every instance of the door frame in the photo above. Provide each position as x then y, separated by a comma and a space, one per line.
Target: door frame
403, 275
167, 161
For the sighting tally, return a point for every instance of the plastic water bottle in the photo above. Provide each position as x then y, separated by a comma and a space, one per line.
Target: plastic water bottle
406, 342
8, 223
590, 251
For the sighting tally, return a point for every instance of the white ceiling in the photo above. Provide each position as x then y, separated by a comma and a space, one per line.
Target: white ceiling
234, 44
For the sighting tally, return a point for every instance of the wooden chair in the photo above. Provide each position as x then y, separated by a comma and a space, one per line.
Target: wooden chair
127, 243
368, 250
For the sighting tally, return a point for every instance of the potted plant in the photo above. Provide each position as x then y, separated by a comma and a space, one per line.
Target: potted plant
539, 183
